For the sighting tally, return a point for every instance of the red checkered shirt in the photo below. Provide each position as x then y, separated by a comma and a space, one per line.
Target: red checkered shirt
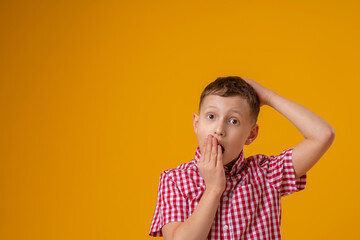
250, 206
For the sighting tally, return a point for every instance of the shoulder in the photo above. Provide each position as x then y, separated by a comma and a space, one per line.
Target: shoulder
258, 160
262, 160
183, 179
184, 170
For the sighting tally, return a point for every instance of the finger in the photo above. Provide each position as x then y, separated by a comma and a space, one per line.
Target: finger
247, 80
213, 151
208, 149
219, 161
203, 150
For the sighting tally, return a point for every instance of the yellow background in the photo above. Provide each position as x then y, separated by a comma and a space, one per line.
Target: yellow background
97, 97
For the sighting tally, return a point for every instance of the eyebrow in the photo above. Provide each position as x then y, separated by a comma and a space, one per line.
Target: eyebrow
234, 110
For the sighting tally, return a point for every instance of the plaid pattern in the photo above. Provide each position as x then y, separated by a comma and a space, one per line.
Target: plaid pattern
250, 206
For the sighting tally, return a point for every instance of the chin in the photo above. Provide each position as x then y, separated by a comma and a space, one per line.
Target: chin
226, 160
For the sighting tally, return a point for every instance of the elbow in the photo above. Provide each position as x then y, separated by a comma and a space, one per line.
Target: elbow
329, 136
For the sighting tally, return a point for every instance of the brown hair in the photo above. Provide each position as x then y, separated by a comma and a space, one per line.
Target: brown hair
233, 86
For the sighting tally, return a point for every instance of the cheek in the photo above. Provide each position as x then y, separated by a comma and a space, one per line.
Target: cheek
201, 139
238, 141
202, 131
202, 135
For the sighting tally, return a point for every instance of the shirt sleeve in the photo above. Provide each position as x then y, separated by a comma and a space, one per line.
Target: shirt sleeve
171, 205
281, 174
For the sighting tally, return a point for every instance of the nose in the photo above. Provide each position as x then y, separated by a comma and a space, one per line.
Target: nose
219, 129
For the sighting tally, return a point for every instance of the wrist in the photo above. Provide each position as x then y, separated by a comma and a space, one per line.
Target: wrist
271, 95
214, 192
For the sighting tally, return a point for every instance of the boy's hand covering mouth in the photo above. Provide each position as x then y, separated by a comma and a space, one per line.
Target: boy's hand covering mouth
211, 166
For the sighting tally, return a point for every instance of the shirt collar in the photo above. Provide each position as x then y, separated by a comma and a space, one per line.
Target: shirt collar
236, 168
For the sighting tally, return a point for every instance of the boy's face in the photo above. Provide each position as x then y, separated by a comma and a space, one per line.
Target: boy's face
228, 120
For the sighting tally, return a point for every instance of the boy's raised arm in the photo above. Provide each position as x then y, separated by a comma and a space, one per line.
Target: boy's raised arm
318, 134
198, 225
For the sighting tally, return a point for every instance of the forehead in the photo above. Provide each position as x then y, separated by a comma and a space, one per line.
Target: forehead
226, 104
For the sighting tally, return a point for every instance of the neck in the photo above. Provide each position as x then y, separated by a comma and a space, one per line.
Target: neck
230, 164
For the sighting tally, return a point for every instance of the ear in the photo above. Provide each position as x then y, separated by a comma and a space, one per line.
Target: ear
253, 134
195, 122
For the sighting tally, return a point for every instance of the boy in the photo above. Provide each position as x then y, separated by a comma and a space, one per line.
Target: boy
223, 195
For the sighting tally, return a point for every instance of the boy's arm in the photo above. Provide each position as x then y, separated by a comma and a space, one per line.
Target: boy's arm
318, 134
198, 225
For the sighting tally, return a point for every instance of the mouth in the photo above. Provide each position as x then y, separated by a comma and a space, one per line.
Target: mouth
222, 148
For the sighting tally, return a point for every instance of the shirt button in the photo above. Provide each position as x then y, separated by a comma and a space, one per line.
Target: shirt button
225, 227
225, 199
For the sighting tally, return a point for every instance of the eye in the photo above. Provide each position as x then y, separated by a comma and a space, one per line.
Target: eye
210, 116
234, 121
